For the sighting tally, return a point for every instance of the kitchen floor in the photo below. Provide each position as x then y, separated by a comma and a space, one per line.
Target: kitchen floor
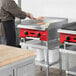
53, 72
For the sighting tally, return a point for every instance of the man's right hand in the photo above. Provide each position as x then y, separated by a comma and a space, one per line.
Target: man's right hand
29, 15
40, 18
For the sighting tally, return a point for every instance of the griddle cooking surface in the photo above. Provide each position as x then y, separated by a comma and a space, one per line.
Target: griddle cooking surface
69, 26
28, 22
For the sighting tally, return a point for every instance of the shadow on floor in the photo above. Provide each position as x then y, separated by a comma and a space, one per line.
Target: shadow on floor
52, 72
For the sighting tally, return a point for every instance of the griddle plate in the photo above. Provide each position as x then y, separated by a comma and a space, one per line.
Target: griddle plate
69, 26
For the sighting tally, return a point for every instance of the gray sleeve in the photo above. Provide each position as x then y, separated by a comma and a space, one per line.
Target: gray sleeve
11, 7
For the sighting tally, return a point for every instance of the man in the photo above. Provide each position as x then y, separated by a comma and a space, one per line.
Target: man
8, 11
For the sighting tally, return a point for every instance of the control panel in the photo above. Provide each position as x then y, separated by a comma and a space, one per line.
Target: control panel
66, 37
42, 35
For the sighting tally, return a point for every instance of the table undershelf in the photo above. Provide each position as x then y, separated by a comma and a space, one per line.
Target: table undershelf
44, 64
72, 71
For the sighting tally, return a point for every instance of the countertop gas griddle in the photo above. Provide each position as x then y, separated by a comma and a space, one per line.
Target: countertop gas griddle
67, 40
45, 32
67, 32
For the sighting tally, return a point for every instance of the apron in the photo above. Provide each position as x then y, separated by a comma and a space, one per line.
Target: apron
2, 32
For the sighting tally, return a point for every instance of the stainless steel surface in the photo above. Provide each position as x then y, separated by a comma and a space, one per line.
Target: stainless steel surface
33, 38
69, 51
47, 20
38, 44
47, 59
67, 58
66, 31
69, 28
52, 29
60, 62
44, 45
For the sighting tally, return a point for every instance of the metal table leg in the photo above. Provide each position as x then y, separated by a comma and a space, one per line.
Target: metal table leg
47, 71
67, 64
67, 61
41, 68
60, 62
47, 60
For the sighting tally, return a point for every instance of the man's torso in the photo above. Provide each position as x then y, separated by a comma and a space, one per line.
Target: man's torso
5, 15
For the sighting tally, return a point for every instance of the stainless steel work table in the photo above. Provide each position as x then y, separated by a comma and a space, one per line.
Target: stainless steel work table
16, 62
67, 52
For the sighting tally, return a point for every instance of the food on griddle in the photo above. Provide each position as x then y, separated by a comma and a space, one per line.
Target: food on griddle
40, 21
40, 18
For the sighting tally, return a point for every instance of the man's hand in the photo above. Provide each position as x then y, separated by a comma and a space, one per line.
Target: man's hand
29, 15
40, 18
